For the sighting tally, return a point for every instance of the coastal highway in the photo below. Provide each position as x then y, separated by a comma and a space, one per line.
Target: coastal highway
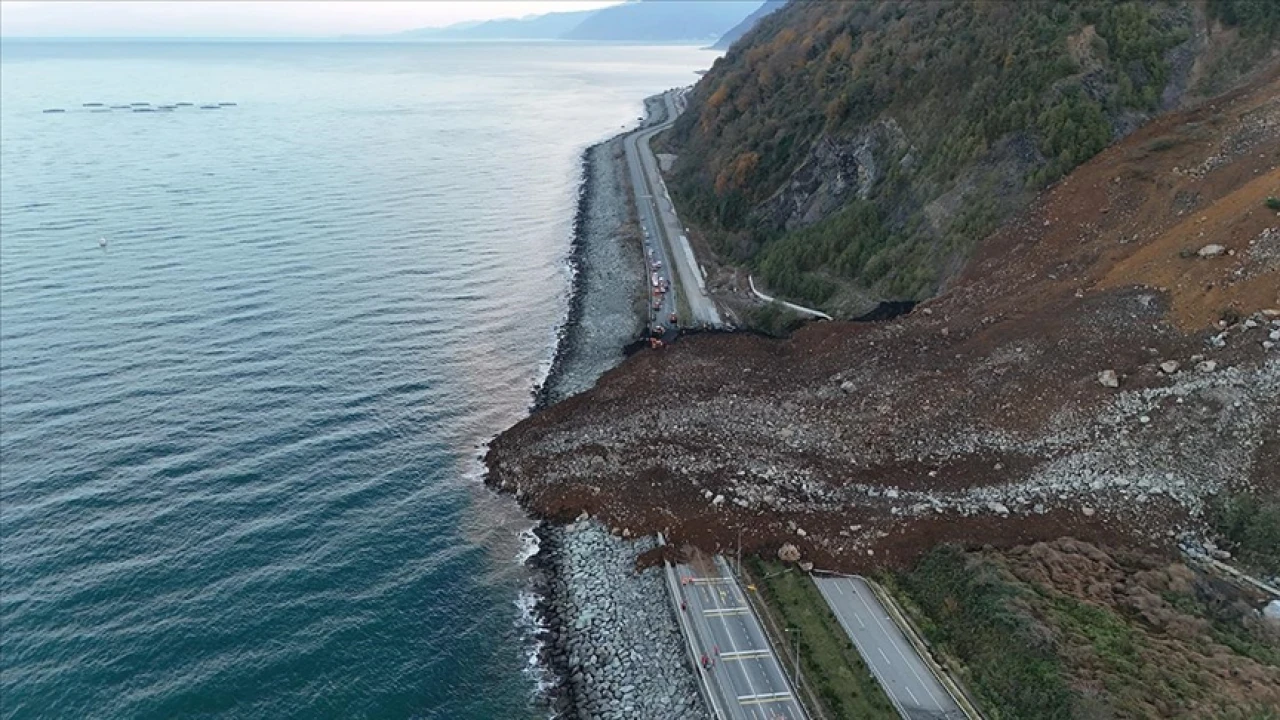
912, 687
746, 677
647, 212
662, 228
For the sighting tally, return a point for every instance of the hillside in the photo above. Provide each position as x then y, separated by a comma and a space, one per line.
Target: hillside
637, 21
663, 21
539, 27
852, 152
1105, 367
737, 31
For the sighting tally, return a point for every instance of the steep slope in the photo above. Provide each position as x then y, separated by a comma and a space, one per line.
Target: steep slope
1098, 369
663, 21
855, 150
551, 26
737, 31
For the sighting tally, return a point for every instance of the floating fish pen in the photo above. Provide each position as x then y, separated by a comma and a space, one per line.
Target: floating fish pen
120, 107
227, 104
55, 110
210, 107
183, 104
166, 107
99, 109
91, 105
140, 104
144, 109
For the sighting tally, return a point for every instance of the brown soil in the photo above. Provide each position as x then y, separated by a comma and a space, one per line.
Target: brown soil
979, 417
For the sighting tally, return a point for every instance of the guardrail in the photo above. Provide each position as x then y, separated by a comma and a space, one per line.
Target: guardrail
957, 693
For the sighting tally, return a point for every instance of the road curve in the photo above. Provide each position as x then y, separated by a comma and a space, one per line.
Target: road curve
903, 674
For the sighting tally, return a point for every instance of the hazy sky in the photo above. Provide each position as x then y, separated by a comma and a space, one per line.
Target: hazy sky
292, 18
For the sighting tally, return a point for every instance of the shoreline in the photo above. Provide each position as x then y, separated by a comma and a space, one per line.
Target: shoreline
604, 634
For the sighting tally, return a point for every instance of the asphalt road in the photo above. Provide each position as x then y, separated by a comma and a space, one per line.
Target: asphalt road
746, 675
914, 690
647, 211
664, 234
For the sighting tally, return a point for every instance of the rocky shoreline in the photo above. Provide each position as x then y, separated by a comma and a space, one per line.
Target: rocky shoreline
608, 633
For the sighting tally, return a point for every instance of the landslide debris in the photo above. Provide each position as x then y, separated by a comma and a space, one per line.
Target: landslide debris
987, 414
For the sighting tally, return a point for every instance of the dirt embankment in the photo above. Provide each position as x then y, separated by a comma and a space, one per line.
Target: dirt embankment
990, 413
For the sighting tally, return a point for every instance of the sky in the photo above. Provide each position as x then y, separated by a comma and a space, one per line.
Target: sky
63, 18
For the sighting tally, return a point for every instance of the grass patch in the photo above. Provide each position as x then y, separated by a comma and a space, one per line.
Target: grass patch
1251, 527
828, 658
774, 318
972, 611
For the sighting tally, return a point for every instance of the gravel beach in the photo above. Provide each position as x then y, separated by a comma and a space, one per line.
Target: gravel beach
610, 638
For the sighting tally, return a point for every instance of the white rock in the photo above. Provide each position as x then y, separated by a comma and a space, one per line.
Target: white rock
1108, 378
1207, 366
1087, 511
998, 508
1144, 419
1211, 250
717, 500
891, 493
1169, 367
1272, 611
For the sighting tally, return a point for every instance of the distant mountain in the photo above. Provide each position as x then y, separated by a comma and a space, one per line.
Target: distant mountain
663, 21
552, 26
741, 28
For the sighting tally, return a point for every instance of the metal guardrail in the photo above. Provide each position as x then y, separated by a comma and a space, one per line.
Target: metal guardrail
957, 693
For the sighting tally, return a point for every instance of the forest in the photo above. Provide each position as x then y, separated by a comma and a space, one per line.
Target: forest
995, 100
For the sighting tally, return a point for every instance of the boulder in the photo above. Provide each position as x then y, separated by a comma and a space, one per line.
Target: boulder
1211, 250
789, 553
1108, 378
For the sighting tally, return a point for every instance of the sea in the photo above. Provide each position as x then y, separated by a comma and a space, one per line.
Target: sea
251, 350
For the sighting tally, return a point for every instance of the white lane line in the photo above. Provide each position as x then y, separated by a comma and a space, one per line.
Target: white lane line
733, 647
914, 699
886, 657
840, 611
774, 663
898, 646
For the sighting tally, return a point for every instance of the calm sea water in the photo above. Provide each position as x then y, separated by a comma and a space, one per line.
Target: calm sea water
238, 444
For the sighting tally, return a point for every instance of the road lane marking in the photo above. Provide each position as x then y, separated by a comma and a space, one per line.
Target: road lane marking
717, 612
840, 610
886, 657
744, 654
764, 698
897, 646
